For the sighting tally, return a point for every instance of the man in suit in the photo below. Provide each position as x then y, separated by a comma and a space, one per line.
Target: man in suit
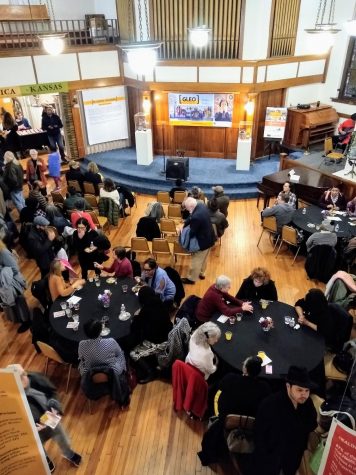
200, 228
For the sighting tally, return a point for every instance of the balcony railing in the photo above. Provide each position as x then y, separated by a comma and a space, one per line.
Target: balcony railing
183, 49
24, 34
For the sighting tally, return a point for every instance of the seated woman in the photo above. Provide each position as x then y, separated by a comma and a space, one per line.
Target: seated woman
56, 218
200, 353
217, 299
37, 193
351, 207
121, 266
97, 351
80, 212
258, 285
93, 176
217, 217
333, 200
330, 320
84, 244
74, 173
109, 191
57, 286
157, 278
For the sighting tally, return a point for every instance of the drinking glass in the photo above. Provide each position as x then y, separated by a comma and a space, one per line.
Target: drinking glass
292, 322
76, 311
63, 305
69, 312
287, 319
105, 330
97, 281
238, 317
124, 288
228, 335
232, 320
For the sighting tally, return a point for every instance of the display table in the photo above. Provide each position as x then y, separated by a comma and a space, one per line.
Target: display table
284, 345
32, 138
313, 215
90, 307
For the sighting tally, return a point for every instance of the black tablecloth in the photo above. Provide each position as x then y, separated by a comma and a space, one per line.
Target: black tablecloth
284, 345
90, 307
314, 215
36, 140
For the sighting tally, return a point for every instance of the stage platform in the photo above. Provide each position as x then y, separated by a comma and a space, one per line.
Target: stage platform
120, 165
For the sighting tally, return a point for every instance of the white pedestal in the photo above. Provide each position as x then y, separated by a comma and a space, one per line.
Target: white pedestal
243, 154
144, 152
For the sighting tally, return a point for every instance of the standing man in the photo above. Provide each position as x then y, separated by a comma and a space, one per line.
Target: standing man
283, 423
52, 124
13, 179
200, 228
281, 210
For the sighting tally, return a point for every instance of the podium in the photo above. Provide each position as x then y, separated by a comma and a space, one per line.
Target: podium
144, 152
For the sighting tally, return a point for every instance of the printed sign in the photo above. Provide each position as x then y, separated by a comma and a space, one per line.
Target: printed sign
275, 122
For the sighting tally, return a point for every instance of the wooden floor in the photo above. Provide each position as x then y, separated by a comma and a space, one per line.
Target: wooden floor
149, 437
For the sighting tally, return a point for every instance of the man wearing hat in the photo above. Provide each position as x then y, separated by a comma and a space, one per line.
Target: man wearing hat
345, 130
222, 199
283, 423
39, 244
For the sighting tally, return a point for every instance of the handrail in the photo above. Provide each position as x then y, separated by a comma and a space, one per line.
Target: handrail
24, 34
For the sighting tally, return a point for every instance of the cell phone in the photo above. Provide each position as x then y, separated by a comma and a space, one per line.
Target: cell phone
269, 369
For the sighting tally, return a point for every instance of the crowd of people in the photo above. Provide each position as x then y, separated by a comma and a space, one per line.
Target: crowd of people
52, 235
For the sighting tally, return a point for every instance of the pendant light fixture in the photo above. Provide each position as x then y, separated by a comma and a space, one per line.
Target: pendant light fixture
199, 36
52, 42
324, 22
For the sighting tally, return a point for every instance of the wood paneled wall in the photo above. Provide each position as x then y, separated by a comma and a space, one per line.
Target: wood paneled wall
284, 25
171, 19
196, 141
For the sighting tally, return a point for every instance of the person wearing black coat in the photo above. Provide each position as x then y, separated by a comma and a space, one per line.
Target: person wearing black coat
39, 245
93, 176
201, 229
258, 285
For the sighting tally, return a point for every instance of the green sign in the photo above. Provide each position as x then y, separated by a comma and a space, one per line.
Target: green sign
44, 88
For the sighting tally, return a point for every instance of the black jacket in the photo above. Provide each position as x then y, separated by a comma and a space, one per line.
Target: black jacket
248, 291
13, 176
201, 227
40, 247
53, 121
117, 386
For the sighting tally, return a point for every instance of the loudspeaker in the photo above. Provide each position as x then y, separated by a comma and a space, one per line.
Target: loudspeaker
177, 167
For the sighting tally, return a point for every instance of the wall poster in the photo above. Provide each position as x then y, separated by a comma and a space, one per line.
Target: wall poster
275, 122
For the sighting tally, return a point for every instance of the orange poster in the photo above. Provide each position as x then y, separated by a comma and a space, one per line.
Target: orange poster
21, 450
339, 457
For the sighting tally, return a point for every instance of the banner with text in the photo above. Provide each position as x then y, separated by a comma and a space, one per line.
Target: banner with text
21, 450
105, 114
209, 110
34, 89
339, 457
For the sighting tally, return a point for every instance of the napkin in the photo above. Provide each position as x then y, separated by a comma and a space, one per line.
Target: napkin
74, 299
61, 313
223, 319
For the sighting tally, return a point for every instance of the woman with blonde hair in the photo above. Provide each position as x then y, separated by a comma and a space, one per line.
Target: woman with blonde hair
56, 283
258, 285
93, 176
200, 353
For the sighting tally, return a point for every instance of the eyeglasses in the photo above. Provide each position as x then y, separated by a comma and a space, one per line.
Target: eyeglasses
81, 227
147, 270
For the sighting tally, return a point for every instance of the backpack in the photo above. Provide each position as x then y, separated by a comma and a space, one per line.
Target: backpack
343, 409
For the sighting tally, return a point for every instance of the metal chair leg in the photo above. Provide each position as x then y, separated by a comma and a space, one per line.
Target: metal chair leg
279, 248
260, 237
68, 377
296, 255
46, 367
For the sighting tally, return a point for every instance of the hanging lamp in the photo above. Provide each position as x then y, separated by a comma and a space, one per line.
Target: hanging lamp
199, 36
53, 42
324, 23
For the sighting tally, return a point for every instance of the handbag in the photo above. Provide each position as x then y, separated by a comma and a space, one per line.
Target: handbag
240, 441
188, 243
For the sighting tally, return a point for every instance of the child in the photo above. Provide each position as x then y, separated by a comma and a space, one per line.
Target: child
54, 166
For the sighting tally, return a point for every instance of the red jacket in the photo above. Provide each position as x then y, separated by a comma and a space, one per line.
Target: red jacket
121, 269
347, 126
190, 390
216, 301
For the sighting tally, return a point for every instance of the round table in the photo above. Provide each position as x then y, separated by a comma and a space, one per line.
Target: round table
282, 344
314, 215
90, 307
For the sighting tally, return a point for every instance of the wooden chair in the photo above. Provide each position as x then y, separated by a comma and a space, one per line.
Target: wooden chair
330, 371
100, 222
160, 246
92, 200
57, 198
98, 378
235, 421
329, 152
269, 224
289, 236
179, 196
140, 245
179, 251
75, 184
130, 207
88, 187
163, 197
168, 227
175, 212
51, 354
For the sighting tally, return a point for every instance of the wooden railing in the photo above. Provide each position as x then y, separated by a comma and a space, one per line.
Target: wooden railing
24, 34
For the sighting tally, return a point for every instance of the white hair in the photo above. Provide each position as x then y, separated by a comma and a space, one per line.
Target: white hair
190, 204
204, 332
222, 281
10, 157
33, 151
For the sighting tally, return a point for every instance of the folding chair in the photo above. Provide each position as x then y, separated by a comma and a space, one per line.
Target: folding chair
75, 184
92, 200
101, 379
289, 236
168, 227
179, 196
140, 245
57, 198
160, 246
179, 251
89, 187
269, 224
51, 354
175, 212
329, 152
100, 222
163, 197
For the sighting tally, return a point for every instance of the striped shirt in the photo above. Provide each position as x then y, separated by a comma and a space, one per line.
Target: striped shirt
98, 352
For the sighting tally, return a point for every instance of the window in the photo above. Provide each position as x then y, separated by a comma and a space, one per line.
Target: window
348, 84
284, 25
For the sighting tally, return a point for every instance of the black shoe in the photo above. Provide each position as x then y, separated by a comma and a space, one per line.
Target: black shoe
187, 281
75, 459
51, 465
201, 276
23, 327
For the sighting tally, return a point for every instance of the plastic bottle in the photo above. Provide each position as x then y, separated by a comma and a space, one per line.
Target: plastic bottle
92, 245
304, 211
336, 228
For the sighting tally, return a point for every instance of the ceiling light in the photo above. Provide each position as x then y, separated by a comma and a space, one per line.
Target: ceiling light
53, 44
199, 36
142, 56
323, 22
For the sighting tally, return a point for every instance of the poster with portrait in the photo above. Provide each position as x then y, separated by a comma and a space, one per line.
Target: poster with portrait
275, 122
209, 110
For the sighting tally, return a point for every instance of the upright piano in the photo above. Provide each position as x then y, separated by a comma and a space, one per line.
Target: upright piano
308, 126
